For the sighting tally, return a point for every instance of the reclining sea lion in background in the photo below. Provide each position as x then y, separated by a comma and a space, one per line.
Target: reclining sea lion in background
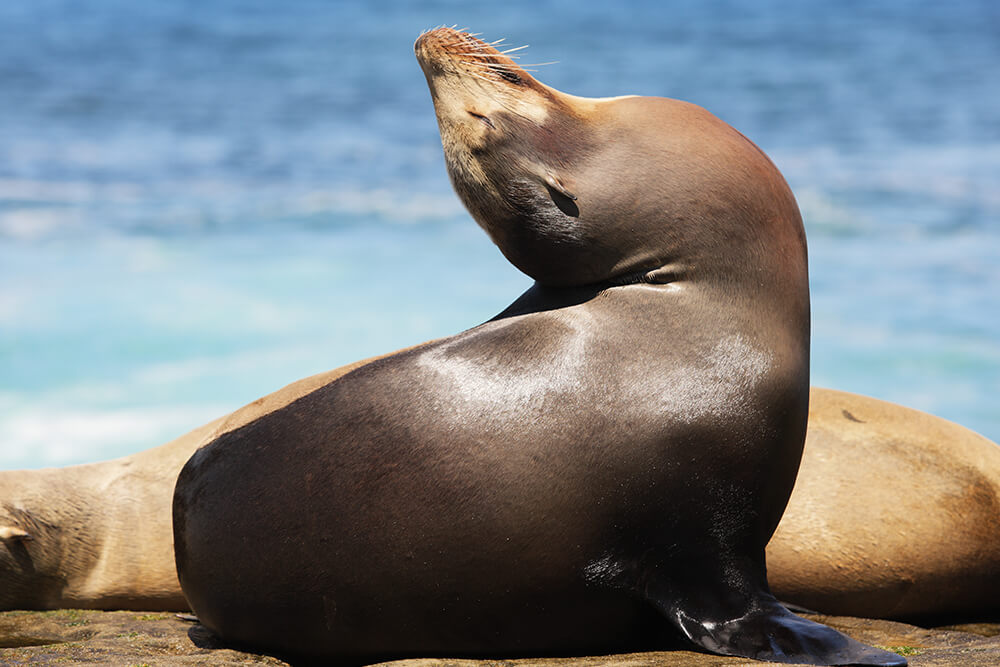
99, 540
93, 536
598, 468
894, 515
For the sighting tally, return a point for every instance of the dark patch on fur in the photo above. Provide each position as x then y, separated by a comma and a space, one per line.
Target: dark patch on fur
848, 415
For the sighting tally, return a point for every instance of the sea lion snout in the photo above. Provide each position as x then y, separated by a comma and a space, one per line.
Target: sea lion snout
438, 47
471, 79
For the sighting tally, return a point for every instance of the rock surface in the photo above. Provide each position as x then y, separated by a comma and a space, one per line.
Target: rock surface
128, 638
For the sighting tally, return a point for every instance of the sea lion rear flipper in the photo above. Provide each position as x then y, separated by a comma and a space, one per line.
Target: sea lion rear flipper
771, 632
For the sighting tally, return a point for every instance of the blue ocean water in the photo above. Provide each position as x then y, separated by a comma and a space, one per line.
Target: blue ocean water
203, 201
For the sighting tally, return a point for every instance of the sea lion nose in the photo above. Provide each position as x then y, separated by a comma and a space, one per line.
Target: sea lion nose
419, 46
429, 37
427, 44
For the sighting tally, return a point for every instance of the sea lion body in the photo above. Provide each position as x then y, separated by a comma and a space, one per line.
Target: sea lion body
600, 466
895, 514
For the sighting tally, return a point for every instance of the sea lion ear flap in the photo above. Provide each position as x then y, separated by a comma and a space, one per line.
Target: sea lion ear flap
556, 184
14, 533
562, 197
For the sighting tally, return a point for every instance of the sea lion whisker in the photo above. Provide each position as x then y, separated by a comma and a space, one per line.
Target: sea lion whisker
516, 48
479, 54
508, 75
495, 66
481, 66
480, 76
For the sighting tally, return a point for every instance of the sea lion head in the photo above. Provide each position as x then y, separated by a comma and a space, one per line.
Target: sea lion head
578, 191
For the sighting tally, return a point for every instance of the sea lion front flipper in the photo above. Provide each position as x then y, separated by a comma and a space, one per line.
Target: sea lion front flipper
771, 632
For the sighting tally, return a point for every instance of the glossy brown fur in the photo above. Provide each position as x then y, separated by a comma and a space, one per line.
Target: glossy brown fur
602, 462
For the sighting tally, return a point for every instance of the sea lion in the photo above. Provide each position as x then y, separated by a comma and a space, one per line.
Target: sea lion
600, 466
99, 536
93, 536
895, 514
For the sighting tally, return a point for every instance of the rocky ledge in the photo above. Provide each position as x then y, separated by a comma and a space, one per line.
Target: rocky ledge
128, 638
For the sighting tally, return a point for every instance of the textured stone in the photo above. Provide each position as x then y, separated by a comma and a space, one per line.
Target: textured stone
128, 638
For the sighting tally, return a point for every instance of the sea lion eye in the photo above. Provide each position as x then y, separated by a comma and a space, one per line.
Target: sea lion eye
508, 75
483, 118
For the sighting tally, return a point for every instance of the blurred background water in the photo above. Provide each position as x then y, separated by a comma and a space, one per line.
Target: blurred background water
203, 201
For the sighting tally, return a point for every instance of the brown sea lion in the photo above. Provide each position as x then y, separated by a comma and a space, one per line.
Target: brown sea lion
600, 466
895, 514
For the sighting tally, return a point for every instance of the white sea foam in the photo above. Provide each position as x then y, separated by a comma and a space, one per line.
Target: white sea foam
820, 212
23, 189
41, 437
399, 205
57, 207
34, 223
951, 174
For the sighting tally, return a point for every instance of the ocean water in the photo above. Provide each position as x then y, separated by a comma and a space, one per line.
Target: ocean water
203, 201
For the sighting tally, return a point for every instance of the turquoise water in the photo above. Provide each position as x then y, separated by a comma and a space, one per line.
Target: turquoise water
201, 202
